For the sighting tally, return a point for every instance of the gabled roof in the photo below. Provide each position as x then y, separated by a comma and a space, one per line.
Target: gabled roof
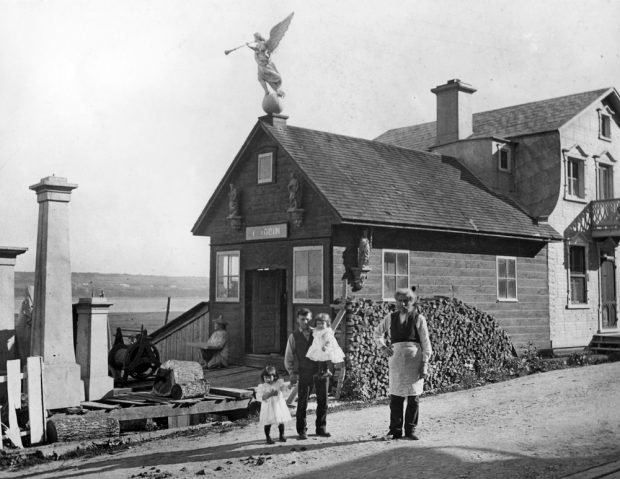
519, 120
370, 182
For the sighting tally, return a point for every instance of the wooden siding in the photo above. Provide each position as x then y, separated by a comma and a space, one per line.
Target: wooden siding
268, 203
272, 254
464, 267
175, 345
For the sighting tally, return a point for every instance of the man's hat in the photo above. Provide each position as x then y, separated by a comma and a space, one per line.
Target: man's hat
220, 320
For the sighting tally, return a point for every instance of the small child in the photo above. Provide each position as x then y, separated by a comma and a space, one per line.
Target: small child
324, 348
273, 408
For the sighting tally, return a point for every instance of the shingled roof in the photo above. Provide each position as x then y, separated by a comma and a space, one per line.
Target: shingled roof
370, 182
519, 120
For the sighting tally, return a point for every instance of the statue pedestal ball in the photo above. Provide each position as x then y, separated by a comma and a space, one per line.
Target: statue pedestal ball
272, 104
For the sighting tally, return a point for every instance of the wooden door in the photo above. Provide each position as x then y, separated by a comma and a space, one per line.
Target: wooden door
609, 319
266, 311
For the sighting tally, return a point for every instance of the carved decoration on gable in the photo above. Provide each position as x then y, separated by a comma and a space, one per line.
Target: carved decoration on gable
356, 261
234, 218
295, 210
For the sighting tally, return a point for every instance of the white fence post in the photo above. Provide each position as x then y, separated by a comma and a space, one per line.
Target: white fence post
36, 406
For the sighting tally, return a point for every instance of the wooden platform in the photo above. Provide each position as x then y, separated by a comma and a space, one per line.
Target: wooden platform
129, 404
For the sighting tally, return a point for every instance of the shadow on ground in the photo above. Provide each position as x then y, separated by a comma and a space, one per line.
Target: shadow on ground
397, 461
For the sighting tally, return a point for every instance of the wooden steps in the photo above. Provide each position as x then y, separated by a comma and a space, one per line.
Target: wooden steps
605, 344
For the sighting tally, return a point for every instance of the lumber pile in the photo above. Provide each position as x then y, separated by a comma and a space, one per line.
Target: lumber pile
465, 340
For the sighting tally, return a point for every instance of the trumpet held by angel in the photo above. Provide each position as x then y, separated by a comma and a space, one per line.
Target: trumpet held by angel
268, 73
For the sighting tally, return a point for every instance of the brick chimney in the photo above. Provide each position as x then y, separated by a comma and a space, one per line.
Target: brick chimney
454, 112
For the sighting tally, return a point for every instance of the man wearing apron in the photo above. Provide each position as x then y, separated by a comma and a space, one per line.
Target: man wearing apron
408, 354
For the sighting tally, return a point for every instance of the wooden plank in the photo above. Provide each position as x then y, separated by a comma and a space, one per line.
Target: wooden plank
36, 406
232, 392
123, 401
14, 398
99, 405
207, 407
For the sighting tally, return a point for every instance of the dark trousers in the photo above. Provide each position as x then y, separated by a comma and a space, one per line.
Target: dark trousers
411, 414
306, 381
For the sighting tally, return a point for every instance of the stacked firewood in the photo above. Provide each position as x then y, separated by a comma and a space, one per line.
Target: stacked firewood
465, 341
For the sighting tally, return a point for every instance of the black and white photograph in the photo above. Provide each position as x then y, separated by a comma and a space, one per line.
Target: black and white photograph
309, 239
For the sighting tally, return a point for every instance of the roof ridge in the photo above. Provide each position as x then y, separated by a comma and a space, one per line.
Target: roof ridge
366, 140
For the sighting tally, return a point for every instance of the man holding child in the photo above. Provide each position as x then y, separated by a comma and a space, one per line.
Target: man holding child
305, 373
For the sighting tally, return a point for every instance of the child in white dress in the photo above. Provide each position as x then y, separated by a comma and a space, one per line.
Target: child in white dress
324, 348
273, 408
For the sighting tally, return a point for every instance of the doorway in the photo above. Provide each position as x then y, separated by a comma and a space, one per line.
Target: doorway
609, 318
267, 311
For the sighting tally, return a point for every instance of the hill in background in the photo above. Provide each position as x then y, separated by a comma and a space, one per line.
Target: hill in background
125, 285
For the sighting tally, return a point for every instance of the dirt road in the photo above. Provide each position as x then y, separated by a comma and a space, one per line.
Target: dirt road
541, 426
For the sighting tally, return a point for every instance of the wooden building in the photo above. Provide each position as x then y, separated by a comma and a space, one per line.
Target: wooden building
470, 206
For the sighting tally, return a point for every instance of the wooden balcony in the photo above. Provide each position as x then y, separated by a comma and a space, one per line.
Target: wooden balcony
605, 218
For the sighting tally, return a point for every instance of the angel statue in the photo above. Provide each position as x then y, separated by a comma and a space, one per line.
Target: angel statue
263, 49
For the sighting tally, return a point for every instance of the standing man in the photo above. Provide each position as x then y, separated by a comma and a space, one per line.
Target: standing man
305, 373
408, 355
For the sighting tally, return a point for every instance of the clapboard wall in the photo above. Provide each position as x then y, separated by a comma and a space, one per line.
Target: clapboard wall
464, 267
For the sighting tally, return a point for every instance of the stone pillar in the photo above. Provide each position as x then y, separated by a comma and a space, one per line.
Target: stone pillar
7, 303
92, 346
52, 321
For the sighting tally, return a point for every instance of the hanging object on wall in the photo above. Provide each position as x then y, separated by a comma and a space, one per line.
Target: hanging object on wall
295, 211
357, 261
234, 218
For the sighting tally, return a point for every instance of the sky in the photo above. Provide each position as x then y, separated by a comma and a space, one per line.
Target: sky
136, 102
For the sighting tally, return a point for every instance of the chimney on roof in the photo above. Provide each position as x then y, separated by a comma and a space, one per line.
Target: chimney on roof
454, 112
275, 120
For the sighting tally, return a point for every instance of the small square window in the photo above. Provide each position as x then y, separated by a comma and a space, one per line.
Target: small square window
265, 168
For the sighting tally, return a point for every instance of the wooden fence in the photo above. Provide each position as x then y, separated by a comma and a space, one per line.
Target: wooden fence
30, 383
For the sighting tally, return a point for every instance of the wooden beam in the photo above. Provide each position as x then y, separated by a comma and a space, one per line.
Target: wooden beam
207, 407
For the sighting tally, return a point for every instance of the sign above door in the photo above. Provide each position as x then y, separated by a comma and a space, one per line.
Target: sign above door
266, 232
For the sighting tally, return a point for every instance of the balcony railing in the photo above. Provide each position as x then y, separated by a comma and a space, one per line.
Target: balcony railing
605, 217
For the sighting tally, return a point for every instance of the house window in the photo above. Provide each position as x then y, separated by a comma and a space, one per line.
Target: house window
504, 159
604, 125
506, 278
308, 274
227, 276
265, 168
577, 266
575, 178
395, 272
605, 182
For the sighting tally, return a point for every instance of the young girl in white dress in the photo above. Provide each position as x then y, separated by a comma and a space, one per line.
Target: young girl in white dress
324, 348
273, 408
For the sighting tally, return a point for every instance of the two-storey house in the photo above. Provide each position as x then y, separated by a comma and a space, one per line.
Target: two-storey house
556, 159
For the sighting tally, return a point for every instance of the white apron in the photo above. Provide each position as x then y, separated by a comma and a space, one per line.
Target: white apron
405, 368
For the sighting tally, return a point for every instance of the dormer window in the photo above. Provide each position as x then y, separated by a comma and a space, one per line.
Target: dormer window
604, 122
503, 156
504, 159
265, 168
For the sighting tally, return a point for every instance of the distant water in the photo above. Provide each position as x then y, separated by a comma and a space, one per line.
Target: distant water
132, 313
